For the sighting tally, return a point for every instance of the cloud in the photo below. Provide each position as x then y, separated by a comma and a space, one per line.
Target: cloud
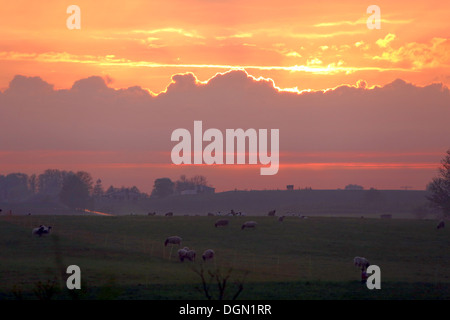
419, 55
235, 36
383, 43
123, 135
92, 116
30, 85
180, 31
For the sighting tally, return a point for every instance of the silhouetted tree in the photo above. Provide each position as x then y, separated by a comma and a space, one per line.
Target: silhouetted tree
33, 184
14, 187
183, 183
439, 188
87, 180
51, 181
75, 192
98, 189
163, 187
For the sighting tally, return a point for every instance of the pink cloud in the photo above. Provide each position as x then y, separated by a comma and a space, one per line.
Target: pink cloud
397, 119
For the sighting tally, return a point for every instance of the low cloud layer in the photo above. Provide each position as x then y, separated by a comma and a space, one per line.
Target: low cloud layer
398, 117
384, 137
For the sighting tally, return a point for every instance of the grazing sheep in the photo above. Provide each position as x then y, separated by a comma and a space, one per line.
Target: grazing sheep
182, 254
41, 230
361, 262
151, 213
271, 213
173, 240
185, 253
190, 255
280, 219
249, 224
221, 223
169, 214
441, 225
208, 254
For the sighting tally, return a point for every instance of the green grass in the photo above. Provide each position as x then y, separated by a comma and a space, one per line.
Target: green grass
124, 257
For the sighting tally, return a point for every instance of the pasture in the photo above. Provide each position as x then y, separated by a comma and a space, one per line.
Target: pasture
123, 257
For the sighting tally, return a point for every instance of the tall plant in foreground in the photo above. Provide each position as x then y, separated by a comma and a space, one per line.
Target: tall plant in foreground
221, 281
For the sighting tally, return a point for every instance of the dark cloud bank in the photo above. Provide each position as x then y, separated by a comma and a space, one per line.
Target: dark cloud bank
398, 117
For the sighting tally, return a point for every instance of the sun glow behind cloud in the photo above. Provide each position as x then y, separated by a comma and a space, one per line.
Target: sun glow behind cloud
226, 36
294, 47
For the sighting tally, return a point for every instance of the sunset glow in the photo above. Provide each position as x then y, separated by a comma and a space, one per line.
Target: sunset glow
344, 97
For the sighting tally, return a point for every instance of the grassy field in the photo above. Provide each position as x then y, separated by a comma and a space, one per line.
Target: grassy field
123, 257
350, 203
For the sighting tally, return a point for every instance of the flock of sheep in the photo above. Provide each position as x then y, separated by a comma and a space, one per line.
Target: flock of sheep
189, 254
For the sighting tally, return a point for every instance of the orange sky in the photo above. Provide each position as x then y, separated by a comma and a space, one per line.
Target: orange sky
300, 45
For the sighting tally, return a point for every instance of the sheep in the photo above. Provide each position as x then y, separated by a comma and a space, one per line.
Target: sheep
271, 213
361, 262
190, 255
208, 254
173, 240
169, 214
41, 230
441, 225
280, 219
211, 214
151, 213
185, 253
249, 224
182, 254
221, 223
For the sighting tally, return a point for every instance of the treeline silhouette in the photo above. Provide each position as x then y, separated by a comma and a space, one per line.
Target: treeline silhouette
77, 190
73, 189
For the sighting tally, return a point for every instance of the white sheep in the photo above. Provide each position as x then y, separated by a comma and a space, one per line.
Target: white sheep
185, 253
182, 254
361, 262
190, 255
221, 223
208, 254
249, 224
173, 240
41, 230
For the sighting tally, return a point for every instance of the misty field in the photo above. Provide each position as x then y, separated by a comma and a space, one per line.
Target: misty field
123, 257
